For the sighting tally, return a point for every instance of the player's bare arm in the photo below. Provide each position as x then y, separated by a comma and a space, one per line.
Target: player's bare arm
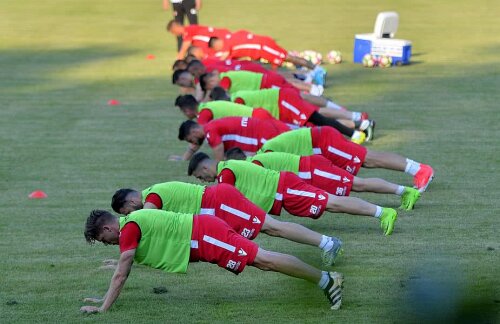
117, 283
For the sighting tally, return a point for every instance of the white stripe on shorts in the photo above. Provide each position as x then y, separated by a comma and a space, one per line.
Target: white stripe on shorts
194, 244
339, 153
246, 46
327, 175
305, 175
316, 150
271, 50
235, 212
240, 139
278, 197
300, 193
290, 107
218, 243
207, 211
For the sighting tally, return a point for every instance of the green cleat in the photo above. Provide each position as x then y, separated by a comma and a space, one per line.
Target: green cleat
387, 220
409, 198
331, 255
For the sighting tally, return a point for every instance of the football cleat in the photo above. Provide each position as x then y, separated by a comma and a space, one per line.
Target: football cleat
333, 290
387, 220
319, 76
358, 137
423, 178
409, 198
331, 255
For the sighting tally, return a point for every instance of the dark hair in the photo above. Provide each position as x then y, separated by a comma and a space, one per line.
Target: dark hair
203, 81
185, 129
211, 41
170, 24
177, 75
195, 161
177, 64
235, 153
120, 199
189, 58
218, 93
96, 220
186, 101
194, 62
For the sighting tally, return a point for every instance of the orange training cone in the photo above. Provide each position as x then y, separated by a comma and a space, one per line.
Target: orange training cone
113, 102
150, 57
38, 194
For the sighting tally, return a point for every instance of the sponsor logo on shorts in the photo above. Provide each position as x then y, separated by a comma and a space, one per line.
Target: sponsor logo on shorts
356, 159
339, 191
303, 116
350, 170
233, 265
314, 209
321, 197
247, 232
345, 179
256, 220
242, 252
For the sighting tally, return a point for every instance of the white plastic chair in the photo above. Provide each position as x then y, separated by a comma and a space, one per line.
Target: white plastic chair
386, 24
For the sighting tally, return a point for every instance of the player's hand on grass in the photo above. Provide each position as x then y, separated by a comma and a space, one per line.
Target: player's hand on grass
95, 300
110, 261
90, 309
175, 158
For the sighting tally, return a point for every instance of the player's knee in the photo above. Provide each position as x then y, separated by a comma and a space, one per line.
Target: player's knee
265, 260
271, 227
334, 203
359, 184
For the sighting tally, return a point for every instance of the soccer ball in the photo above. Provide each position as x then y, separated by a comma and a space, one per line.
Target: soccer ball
369, 61
334, 57
385, 61
312, 56
288, 65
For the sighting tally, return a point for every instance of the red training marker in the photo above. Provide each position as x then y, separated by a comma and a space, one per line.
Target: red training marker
150, 57
38, 194
113, 102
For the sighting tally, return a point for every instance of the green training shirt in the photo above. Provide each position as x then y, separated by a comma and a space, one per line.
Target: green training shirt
243, 80
265, 98
165, 239
258, 184
278, 161
177, 196
298, 141
221, 109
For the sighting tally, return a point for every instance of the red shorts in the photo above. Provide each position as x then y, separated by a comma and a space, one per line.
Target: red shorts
299, 198
330, 143
273, 80
294, 109
227, 203
266, 49
216, 242
322, 173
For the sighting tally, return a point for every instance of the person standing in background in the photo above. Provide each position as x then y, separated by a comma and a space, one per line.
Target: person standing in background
181, 8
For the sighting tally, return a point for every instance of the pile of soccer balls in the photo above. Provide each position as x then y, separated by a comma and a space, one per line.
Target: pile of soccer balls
370, 60
332, 57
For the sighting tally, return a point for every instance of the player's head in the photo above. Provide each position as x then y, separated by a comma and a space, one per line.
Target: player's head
175, 28
196, 52
191, 132
125, 201
102, 226
202, 167
196, 68
179, 65
218, 93
208, 81
235, 153
188, 105
189, 58
216, 44
183, 78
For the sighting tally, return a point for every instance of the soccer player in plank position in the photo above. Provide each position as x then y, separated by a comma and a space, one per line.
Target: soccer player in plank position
272, 191
347, 155
198, 68
245, 44
227, 203
225, 133
322, 173
207, 111
170, 241
195, 35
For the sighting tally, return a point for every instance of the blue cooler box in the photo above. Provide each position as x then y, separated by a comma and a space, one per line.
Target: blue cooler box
398, 49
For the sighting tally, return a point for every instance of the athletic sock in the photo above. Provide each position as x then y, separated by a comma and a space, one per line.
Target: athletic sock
325, 278
326, 243
378, 212
412, 167
356, 116
332, 105
400, 190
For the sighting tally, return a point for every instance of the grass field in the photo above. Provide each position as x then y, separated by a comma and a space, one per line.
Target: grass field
62, 60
